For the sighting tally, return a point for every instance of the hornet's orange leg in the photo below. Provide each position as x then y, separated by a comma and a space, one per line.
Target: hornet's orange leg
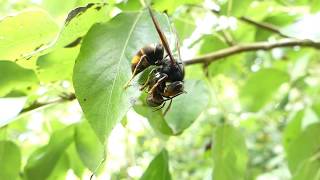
134, 72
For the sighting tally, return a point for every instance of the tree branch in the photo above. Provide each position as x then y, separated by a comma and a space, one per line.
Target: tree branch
36, 104
214, 56
263, 25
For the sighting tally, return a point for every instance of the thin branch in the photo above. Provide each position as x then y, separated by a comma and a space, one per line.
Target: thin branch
214, 56
36, 104
263, 25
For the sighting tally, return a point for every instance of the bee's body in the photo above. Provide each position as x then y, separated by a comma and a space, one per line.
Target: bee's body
145, 57
165, 80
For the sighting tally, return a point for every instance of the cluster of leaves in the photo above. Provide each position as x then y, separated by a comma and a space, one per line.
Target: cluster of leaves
253, 114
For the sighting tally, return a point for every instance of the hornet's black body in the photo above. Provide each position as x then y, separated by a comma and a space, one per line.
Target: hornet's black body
165, 81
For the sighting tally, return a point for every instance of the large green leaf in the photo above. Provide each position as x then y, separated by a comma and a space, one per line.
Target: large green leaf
186, 108
298, 123
76, 25
51, 65
309, 169
260, 87
74, 159
229, 154
304, 147
60, 7
103, 67
89, 148
14, 77
158, 168
25, 32
155, 118
293, 129
43, 161
10, 158
61, 168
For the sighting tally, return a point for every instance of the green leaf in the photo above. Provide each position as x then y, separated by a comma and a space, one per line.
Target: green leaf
10, 108
234, 7
277, 19
51, 65
42, 162
211, 43
305, 146
315, 6
229, 154
130, 5
74, 160
185, 25
293, 129
89, 148
309, 169
155, 118
260, 87
304, 28
158, 168
60, 7
76, 25
103, 67
61, 168
170, 6
15, 77
10, 158
25, 32
186, 108
179, 116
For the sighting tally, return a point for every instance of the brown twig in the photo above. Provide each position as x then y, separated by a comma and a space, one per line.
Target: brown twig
263, 25
36, 104
214, 56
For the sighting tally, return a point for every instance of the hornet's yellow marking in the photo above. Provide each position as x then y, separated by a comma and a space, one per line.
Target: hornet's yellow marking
135, 59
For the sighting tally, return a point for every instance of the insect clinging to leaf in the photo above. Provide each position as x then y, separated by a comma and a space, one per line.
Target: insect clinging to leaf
165, 80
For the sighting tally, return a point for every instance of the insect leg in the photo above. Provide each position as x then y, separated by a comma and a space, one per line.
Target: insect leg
158, 82
163, 104
134, 72
169, 106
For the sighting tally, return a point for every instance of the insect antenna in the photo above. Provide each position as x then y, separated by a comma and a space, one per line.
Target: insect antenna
162, 37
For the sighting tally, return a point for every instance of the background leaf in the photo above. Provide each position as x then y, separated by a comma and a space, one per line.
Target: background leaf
256, 93
193, 102
10, 158
229, 154
297, 154
234, 7
25, 32
158, 168
47, 157
88, 146
15, 77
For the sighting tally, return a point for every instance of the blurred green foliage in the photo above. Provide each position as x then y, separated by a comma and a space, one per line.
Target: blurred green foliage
64, 113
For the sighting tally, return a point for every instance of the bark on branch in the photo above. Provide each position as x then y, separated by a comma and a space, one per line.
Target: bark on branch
214, 56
